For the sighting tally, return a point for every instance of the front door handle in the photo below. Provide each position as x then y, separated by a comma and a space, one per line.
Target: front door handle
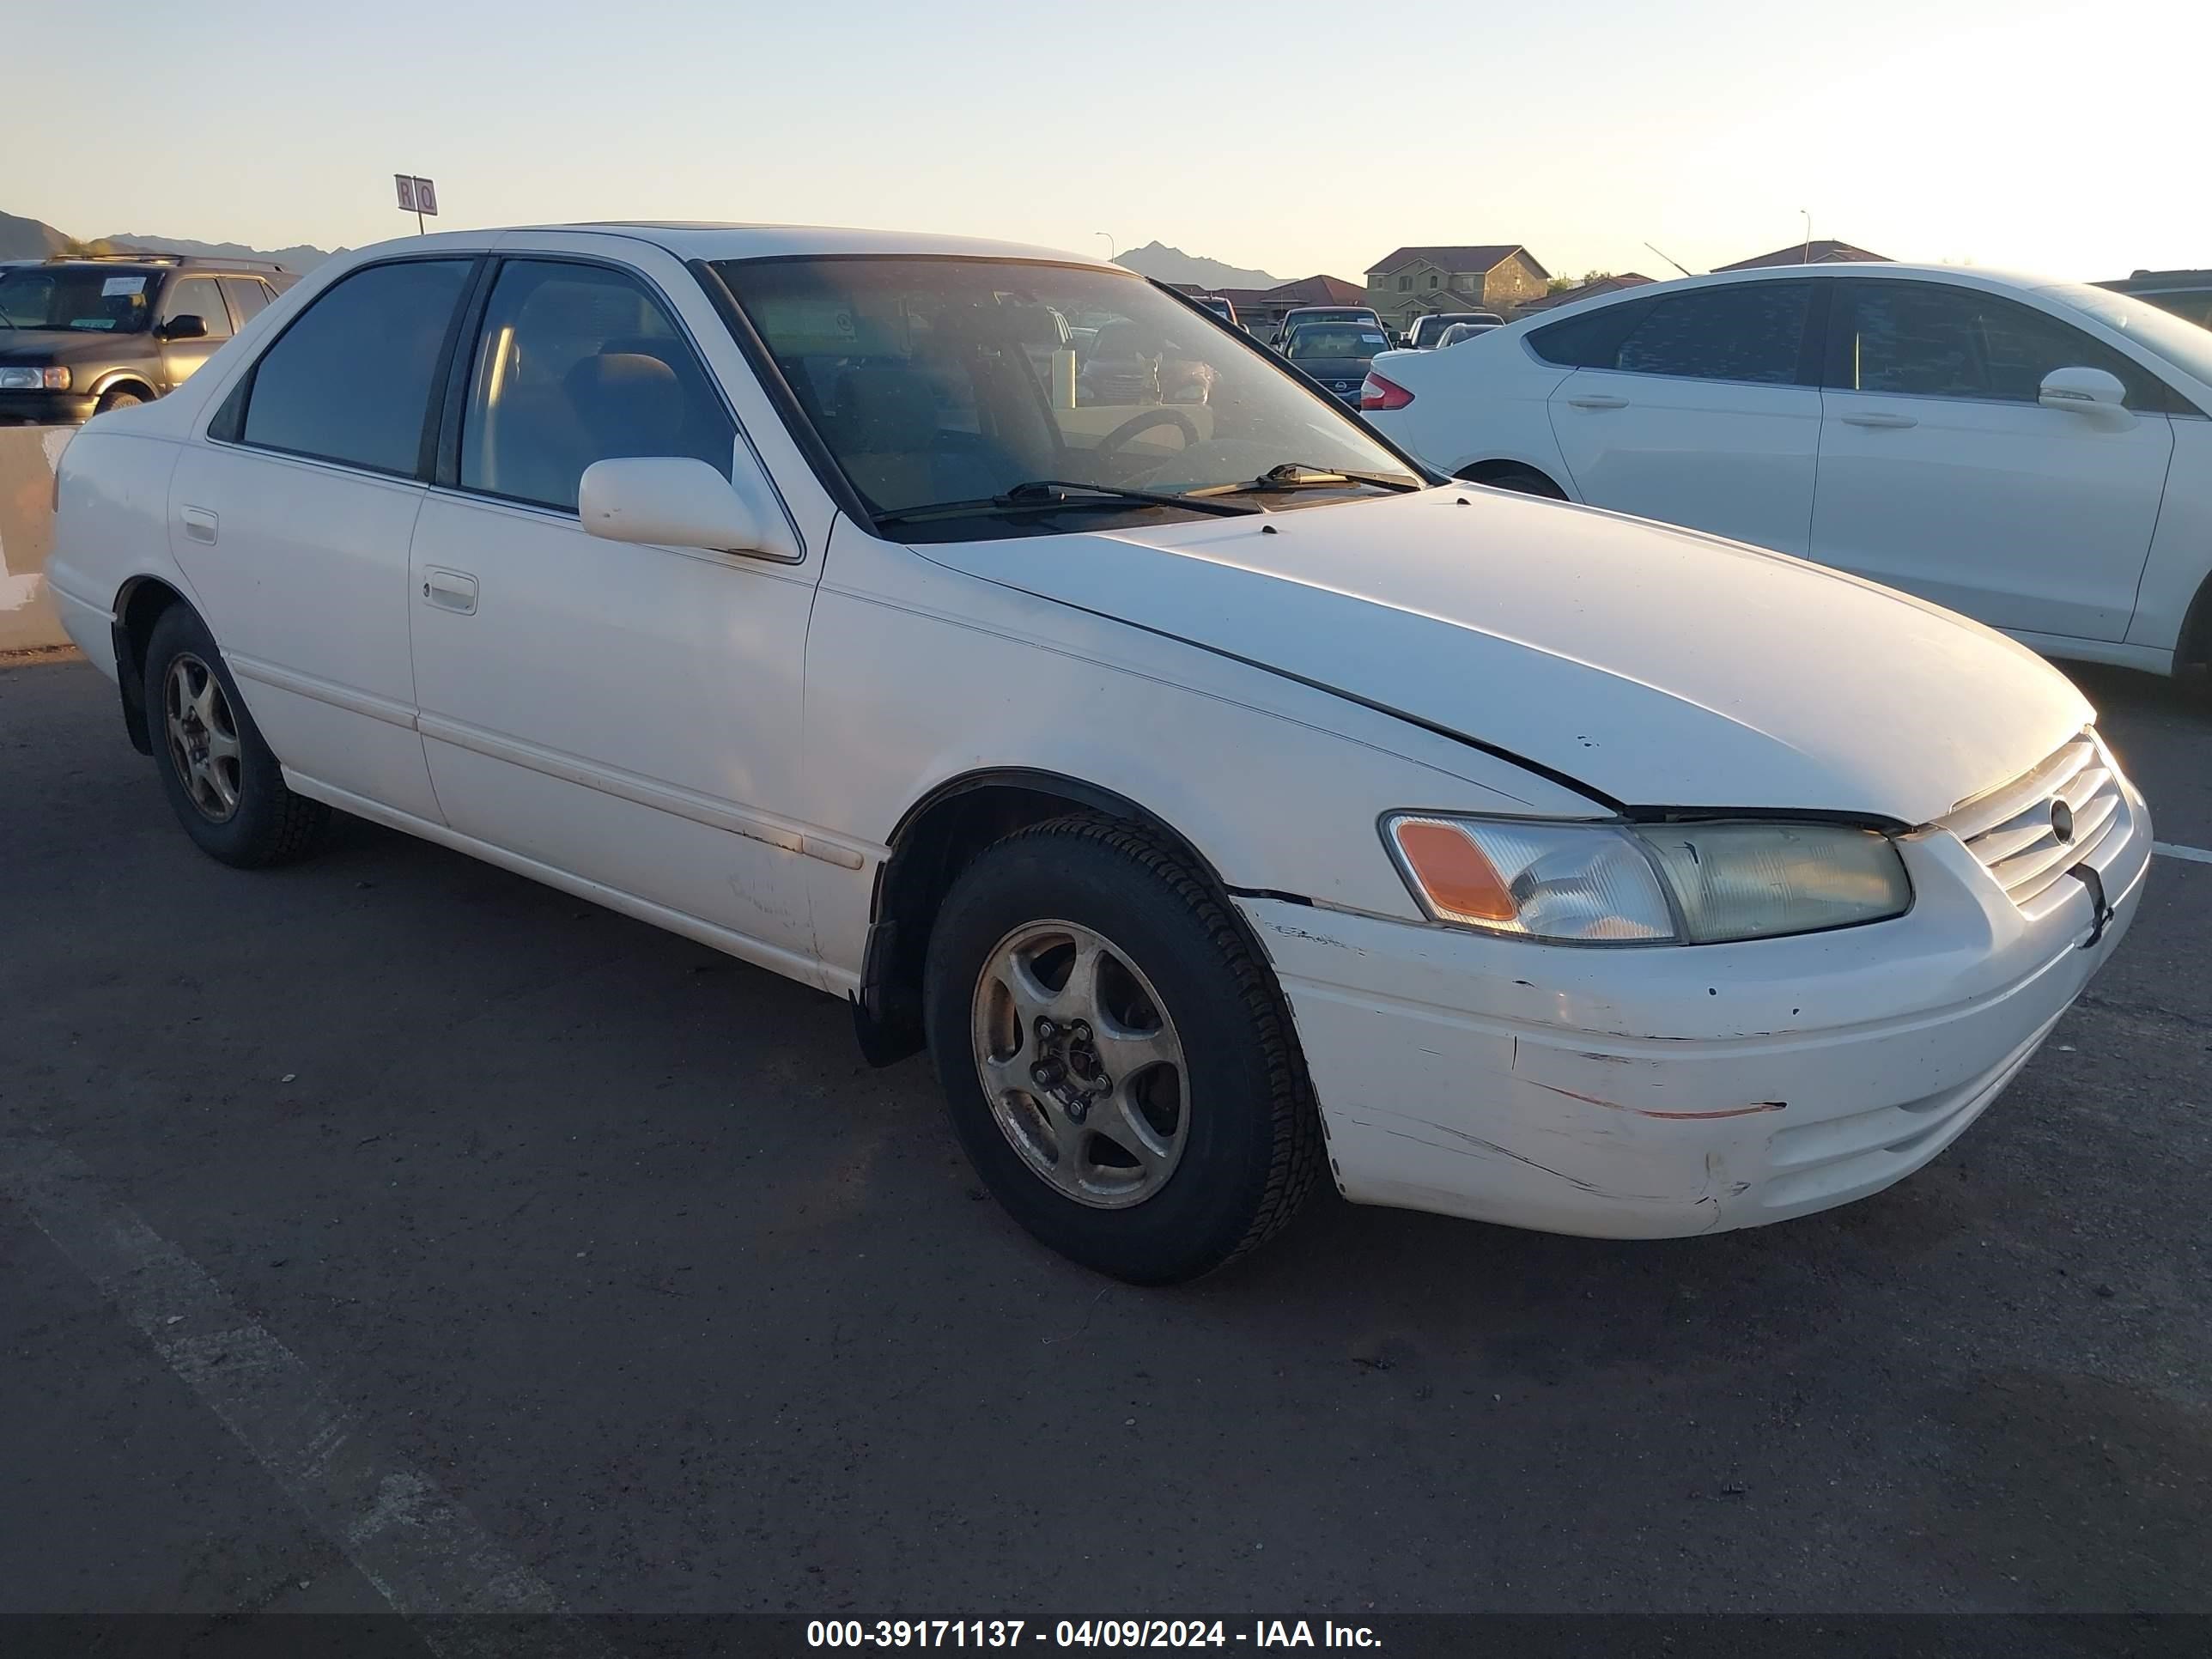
450, 590
1599, 400
1880, 418
200, 524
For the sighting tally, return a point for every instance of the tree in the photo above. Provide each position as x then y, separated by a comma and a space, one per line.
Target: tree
75, 249
1561, 285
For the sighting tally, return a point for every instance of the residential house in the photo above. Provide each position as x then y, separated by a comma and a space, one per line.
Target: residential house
1818, 252
1410, 282
1589, 290
1261, 309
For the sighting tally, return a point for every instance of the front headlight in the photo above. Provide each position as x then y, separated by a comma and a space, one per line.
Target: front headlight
1608, 884
20, 378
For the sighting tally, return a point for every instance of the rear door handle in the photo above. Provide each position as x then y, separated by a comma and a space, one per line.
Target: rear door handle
450, 590
1880, 418
200, 525
1599, 400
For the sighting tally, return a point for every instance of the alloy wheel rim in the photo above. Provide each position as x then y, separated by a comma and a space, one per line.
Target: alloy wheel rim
1081, 1063
204, 743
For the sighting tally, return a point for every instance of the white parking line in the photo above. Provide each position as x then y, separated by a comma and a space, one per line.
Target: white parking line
2174, 850
423, 1551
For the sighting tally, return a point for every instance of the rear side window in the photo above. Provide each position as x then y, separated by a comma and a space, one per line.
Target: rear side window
1932, 340
577, 364
1747, 332
196, 296
1590, 340
349, 380
247, 295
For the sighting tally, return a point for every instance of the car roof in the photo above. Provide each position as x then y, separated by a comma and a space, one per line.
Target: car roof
1983, 277
694, 239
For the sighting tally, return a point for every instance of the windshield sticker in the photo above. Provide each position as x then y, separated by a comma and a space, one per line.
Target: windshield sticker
92, 322
115, 285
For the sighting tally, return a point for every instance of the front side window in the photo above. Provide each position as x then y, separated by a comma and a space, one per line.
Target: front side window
81, 299
1932, 340
1747, 332
198, 296
350, 380
577, 364
928, 387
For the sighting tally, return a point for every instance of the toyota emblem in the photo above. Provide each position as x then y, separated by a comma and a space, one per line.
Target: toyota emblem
2062, 822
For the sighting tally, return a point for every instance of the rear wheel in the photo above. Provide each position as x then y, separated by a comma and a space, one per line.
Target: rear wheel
1118, 1068
224, 785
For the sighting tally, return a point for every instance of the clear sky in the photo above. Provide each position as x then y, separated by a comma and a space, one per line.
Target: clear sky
1294, 136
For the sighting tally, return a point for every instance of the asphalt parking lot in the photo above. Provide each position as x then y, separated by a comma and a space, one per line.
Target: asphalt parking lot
665, 1303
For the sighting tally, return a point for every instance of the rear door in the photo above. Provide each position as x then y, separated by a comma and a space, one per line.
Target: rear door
1701, 408
1940, 473
293, 517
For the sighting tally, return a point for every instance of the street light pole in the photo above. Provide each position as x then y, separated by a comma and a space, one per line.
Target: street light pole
1807, 258
1112, 252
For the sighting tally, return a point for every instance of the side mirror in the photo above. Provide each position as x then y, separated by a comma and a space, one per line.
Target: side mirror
189, 327
2090, 391
676, 502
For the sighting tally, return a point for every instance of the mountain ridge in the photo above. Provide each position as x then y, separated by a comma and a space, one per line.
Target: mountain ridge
1162, 263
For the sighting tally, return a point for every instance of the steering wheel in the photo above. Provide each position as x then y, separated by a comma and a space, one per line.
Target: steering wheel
1112, 442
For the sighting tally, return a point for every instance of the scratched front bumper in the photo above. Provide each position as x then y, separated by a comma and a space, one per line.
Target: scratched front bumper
1655, 1092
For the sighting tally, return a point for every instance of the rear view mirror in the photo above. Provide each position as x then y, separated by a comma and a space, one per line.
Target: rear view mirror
2082, 390
676, 502
189, 327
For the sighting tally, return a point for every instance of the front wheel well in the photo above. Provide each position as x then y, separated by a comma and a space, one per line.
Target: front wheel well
2194, 646
931, 846
138, 607
1513, 474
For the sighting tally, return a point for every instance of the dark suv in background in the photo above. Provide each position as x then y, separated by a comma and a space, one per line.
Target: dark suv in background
80, 336
2186, 294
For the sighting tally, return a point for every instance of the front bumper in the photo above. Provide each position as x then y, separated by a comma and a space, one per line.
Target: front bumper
44, 408
1657, 1092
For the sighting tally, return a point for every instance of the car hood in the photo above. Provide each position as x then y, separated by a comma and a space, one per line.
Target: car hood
66, 345
1653, 667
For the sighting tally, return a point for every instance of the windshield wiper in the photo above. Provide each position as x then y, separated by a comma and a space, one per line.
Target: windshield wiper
1297, 475
1052, 496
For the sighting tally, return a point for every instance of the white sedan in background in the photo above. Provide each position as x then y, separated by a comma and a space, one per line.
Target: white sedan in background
2035, 454
1222, 802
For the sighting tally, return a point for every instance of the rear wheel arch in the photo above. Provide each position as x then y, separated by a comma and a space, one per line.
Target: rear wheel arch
936, 839
139, 605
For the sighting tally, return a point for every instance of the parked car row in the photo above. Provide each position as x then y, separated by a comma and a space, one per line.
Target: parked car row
2037, 455
1224, 798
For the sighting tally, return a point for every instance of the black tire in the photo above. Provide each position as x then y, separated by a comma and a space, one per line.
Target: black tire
268, 823
1521, 480
121, 398
1252, 1149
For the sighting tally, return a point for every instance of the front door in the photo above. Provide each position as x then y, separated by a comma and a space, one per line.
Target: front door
1941, 474
190, 296
629, 714
1706, 414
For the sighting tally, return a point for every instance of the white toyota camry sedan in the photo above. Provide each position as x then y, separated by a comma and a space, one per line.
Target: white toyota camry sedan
1219, 797
2035, 454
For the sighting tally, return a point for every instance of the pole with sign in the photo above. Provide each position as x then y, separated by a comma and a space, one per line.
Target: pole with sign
417, 197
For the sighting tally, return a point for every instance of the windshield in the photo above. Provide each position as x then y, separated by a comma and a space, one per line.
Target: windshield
928, 388
1336, 340
87, 298
2182, 343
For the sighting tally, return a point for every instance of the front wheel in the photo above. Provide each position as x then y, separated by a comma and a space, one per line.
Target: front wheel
226, 787
120, 398
1119, 1069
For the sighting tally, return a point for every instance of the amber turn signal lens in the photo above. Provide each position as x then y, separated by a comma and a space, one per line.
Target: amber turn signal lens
1460, 882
